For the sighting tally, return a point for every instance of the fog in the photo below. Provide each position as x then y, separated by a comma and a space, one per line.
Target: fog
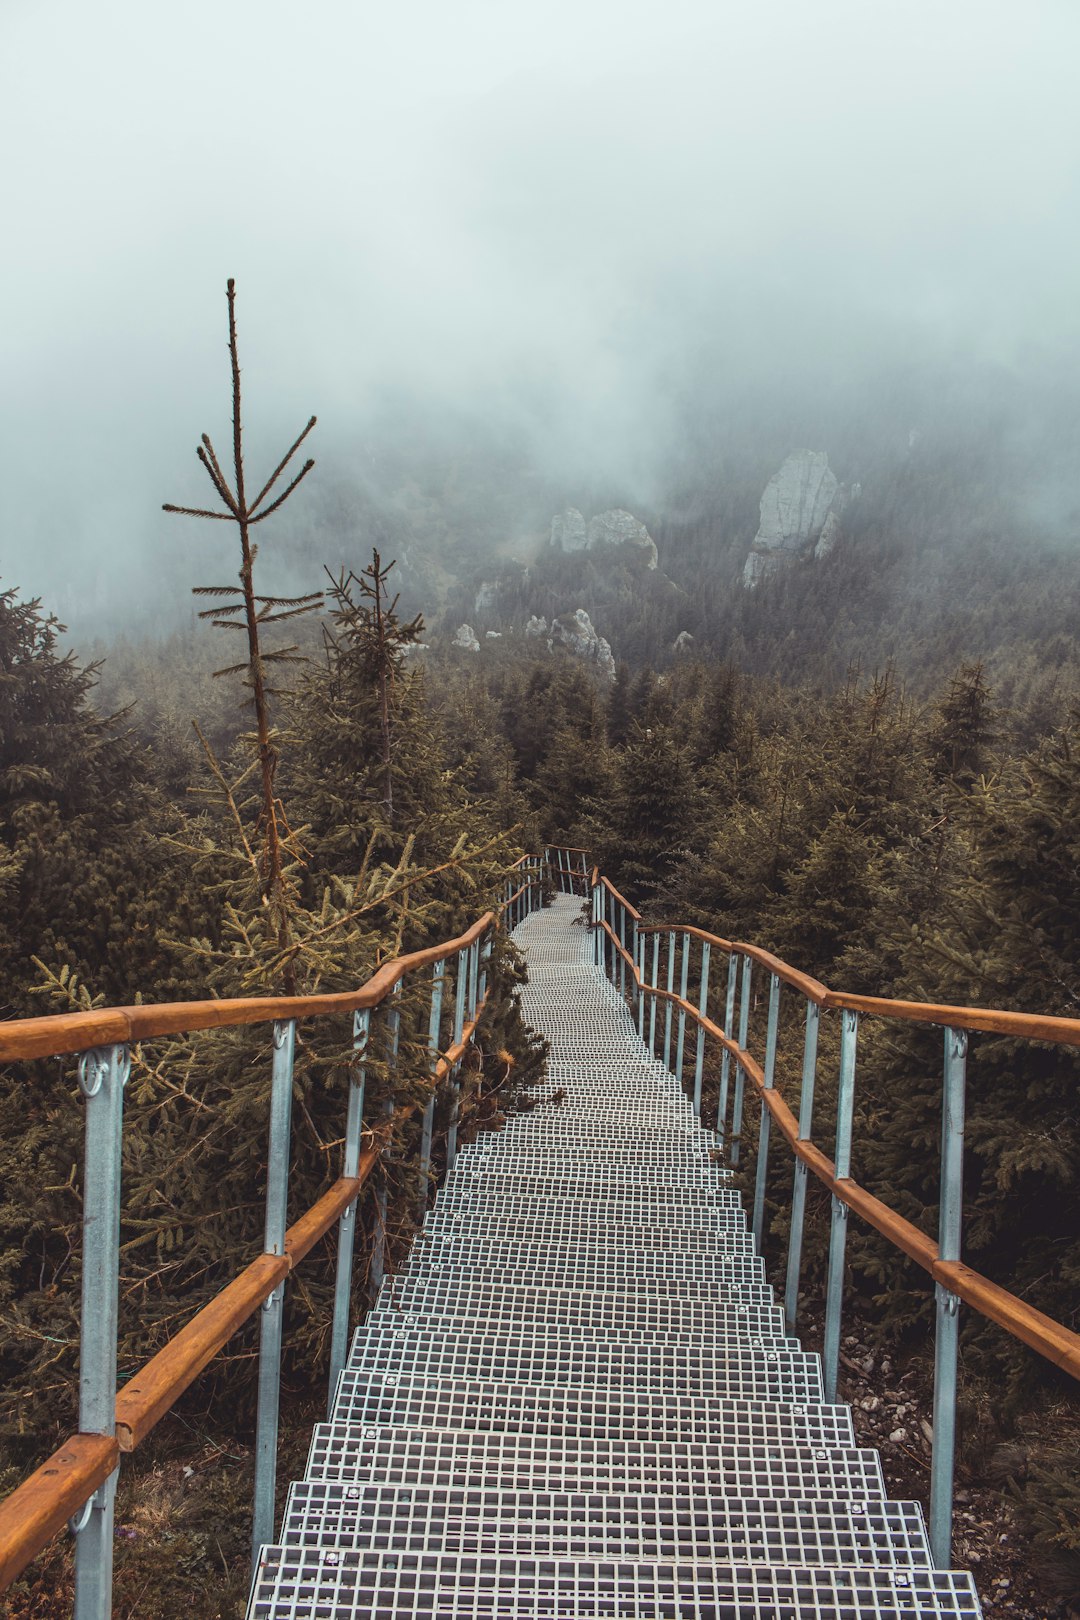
589, 237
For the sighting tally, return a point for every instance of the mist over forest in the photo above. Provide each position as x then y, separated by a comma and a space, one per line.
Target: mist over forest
606, 264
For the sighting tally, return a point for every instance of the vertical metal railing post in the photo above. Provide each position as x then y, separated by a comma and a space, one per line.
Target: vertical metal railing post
461, 979
765, 1123
434, 1022
102, 1076
703, 1007
483, 964
273, 1310
725, 1062
654, 981
671, 991
596, 924
834, 1291
377, 1268
622, 959
740, 1075
798, 1191
354, 1124
639, 977
684, 982
950, 1220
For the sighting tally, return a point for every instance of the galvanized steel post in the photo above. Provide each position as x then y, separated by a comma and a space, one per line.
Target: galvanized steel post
798, 1191
950, 1220
671, 991
639, 968
460, 988
703, 1007
684, 981
102, 1076
834, 1293
354, 1124
622, 942
596, 930
766, 1118
654, 981
740, 1076
377, 1267
273, 1310
725, 1062
434, 1022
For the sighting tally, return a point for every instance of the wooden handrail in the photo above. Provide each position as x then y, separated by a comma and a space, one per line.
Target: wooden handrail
1052, 1340
64, 1033
987, 1020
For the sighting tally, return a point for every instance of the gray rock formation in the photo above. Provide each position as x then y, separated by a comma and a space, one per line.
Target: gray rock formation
568, 532
619, 528
683, 643
575, 632
487, 595
536, 627
465, 639
800, 514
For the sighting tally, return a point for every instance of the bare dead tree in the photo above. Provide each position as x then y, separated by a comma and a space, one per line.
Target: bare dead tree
240, 608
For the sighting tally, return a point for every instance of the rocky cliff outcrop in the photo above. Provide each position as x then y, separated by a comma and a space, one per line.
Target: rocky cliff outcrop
576, 633
619, 528
800, 514
569, 532
465, 638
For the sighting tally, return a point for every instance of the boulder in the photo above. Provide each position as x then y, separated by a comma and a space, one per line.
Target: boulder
568, 532
536, 626
465, 639
575, 632
683, 643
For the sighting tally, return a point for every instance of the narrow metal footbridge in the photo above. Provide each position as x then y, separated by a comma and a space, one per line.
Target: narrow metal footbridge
578, 1396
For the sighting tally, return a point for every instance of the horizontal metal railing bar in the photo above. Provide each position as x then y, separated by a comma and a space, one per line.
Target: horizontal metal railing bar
1051, 1339
41, 1506
65, 1033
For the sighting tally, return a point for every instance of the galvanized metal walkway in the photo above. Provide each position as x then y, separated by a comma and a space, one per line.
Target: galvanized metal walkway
578, 1397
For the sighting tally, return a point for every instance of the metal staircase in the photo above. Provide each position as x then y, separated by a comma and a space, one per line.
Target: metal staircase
578, 1398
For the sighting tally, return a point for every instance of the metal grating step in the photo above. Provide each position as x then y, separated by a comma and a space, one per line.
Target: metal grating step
689, 1276
503, 1312
627, 1243
497, 1333
590, 1413
398, 1456
705, 1232
349, 1585
761, 1374
566, 1524
537, 1304
627, 1203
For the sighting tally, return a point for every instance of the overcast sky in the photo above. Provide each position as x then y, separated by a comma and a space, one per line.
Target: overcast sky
535, 212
